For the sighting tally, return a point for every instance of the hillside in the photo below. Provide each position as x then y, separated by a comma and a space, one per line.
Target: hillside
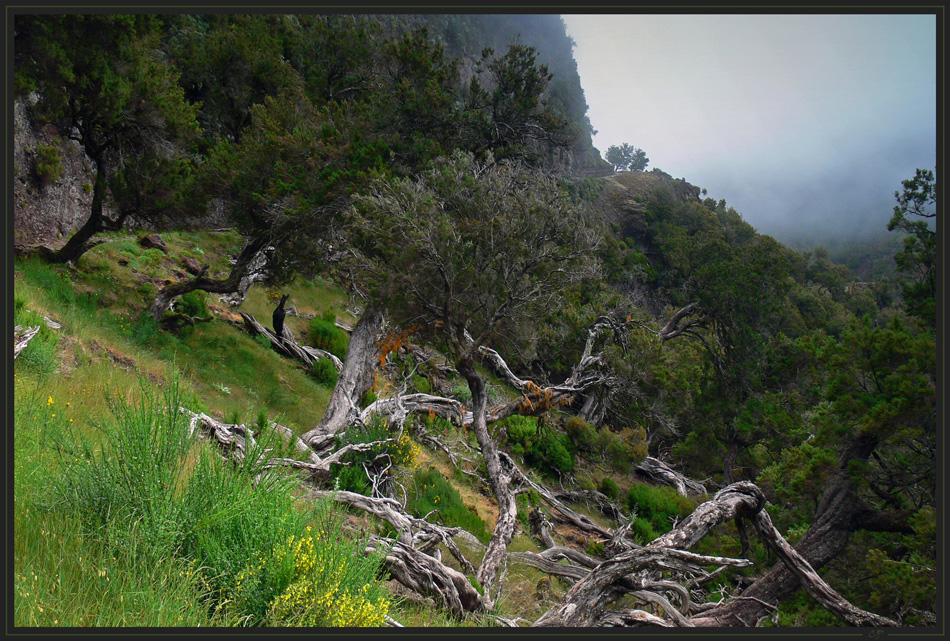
346, 336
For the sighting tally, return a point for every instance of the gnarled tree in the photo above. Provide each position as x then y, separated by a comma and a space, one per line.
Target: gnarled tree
465, 251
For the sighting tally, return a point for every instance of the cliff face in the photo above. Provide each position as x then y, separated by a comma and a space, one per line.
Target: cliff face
48, 213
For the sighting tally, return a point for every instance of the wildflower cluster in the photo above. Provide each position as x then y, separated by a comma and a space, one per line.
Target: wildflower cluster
309, 581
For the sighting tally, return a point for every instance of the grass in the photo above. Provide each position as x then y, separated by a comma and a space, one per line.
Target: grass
130, 521
118, 521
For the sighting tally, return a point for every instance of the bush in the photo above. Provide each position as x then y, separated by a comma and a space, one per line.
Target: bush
581, 433
658, 506
148, 489
401, 452
609, 488
193, 303
461, 393
49, 164
319, 579
325, 373
586, 484
421, 383
323, 334
548, 450
431, 491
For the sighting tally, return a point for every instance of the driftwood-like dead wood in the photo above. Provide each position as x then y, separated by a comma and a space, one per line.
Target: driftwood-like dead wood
584, 603
21, 338
814, 584
287, 345
425, 574
355, 378
657, 471
595, 498
561, 512
399, 407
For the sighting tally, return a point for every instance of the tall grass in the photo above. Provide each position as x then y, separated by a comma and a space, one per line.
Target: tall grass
148, 515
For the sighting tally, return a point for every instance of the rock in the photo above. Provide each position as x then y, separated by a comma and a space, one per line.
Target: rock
191, 265
153, 241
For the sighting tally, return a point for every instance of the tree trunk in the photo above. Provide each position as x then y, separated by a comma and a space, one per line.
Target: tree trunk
167, 294
355, 378
837, 516
499, 480
78, 243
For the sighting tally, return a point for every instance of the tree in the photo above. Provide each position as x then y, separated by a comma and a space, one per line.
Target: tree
466, 251
509, 112
918, 257
626, 157
284, 184
101, 80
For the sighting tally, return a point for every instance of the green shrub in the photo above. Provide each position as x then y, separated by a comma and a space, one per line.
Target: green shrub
194, 303
325, 373
586, 484
461, 393
432, 492
323, 334
547, 450
609, 488
367, 399
421, 383
49, 163
149, 490
321, 578
399, 451
595, 548
658, 506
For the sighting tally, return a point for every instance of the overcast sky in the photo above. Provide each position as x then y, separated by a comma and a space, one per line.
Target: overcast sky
800, 122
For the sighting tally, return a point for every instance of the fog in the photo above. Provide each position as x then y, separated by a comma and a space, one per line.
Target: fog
805, 124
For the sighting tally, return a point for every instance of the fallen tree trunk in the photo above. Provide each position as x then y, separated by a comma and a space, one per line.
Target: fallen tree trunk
814, 584
839, 513
287, 345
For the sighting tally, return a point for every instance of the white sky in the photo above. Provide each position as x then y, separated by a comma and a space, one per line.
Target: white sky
796, 120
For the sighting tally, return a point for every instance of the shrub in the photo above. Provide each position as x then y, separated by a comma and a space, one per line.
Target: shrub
658, 505
368, 398
433, 492
461, 393
319, 579
609, 488
400, 451
323, 334
49, 164
421, 383
581, 433
586, 483
325, 373
548, 450
193, 303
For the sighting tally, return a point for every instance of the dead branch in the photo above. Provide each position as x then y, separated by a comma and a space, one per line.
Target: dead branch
657, 471
21, 340
287, 345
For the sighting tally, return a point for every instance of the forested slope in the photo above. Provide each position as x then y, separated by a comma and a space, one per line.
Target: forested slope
373, 269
